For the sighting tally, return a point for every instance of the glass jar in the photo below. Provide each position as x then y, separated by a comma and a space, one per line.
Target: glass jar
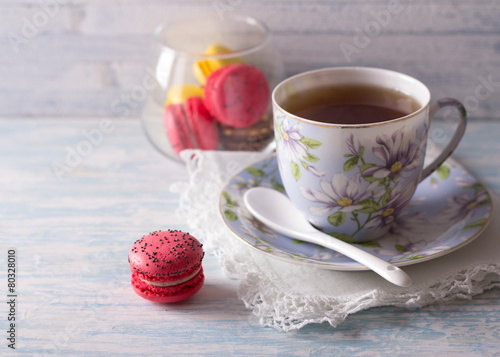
213, 81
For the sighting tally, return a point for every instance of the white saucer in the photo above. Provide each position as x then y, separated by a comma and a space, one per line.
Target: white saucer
449, 210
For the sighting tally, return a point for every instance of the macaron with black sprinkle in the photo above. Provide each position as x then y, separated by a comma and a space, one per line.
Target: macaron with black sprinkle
166, 266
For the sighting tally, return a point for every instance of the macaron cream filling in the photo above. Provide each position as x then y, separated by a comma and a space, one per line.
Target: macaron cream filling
172, 283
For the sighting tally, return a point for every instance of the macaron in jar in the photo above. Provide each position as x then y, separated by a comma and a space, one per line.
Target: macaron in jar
213, 83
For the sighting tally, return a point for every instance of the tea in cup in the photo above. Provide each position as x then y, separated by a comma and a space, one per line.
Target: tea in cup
350, 146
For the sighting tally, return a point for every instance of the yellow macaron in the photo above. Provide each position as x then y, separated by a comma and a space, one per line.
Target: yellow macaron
179, 94
203, 68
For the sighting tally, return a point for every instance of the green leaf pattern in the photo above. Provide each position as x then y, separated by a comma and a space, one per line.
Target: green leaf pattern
291, 140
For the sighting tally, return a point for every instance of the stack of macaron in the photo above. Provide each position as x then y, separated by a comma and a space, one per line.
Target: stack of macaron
166, 266
230, 94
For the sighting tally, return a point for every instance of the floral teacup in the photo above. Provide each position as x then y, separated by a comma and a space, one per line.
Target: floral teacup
352, 180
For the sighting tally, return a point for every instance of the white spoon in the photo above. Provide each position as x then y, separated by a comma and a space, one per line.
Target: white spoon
277, 211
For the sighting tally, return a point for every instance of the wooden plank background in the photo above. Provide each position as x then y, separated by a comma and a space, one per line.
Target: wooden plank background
73, 58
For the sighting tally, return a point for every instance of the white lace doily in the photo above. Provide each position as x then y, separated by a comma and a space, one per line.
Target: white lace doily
288, 296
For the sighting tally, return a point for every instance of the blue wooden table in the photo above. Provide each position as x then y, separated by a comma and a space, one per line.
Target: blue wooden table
74, 196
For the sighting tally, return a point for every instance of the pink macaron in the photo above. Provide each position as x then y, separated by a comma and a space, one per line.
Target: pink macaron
237, 95
190, 126
166, 266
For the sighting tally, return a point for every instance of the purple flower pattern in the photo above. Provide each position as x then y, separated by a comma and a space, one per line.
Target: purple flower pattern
463, 206
399, 154
341, 193
296, 147
290, 141
375, 196
398, 198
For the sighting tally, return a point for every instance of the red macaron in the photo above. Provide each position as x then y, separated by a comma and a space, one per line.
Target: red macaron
166, 266
190, 126
237, 95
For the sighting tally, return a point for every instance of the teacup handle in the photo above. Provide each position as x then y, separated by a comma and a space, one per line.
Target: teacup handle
459, 132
